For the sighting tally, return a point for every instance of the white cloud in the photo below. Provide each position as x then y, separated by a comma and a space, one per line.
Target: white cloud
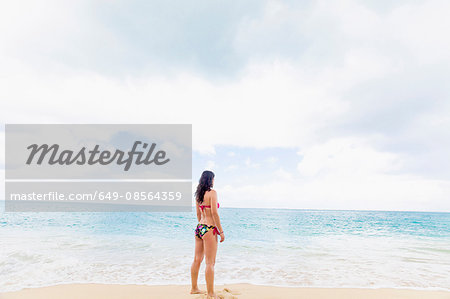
221, 114
344, 173
250, 164
283, 174
346, 157
272, 160
231, 167
231, 154
210, 165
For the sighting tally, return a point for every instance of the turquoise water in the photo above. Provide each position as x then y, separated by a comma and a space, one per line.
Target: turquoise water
263, 246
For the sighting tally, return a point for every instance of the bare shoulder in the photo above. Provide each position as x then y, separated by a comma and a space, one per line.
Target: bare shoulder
211, 193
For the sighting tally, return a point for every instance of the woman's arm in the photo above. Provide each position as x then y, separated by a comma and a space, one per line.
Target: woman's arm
199, 213
214, 210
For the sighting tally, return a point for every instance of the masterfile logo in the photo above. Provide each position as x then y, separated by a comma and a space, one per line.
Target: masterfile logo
91, 157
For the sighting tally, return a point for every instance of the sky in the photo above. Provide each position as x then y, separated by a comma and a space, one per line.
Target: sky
294, 104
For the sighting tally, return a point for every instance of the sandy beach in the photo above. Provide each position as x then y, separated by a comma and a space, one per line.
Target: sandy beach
240, 291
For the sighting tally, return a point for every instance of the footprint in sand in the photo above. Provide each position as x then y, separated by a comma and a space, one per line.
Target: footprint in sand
231, 292
226, 293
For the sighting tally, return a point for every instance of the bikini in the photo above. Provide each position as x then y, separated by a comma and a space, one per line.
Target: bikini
202, 229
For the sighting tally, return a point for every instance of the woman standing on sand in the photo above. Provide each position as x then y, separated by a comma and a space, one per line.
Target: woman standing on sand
206, 232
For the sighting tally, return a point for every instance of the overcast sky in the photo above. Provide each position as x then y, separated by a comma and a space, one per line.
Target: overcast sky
294, 104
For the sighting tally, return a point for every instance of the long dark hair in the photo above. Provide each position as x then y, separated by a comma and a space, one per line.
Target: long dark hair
204, 184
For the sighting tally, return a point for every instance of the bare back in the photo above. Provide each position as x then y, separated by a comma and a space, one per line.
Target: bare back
210, 207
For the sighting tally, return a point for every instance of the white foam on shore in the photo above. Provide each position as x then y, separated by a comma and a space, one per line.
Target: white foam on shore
35, 259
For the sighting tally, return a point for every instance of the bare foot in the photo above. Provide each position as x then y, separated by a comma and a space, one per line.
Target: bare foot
197, 291
214, 296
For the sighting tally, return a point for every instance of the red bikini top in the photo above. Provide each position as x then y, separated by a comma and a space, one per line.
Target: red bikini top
202, 206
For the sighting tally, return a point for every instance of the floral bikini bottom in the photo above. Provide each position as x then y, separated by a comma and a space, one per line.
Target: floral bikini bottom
202, 229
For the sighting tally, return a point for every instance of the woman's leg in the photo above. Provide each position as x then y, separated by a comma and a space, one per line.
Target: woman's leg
210, 243
198, 258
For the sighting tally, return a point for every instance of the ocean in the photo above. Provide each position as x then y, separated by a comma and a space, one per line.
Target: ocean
301, 248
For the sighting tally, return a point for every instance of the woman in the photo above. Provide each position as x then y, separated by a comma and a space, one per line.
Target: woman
206, 232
